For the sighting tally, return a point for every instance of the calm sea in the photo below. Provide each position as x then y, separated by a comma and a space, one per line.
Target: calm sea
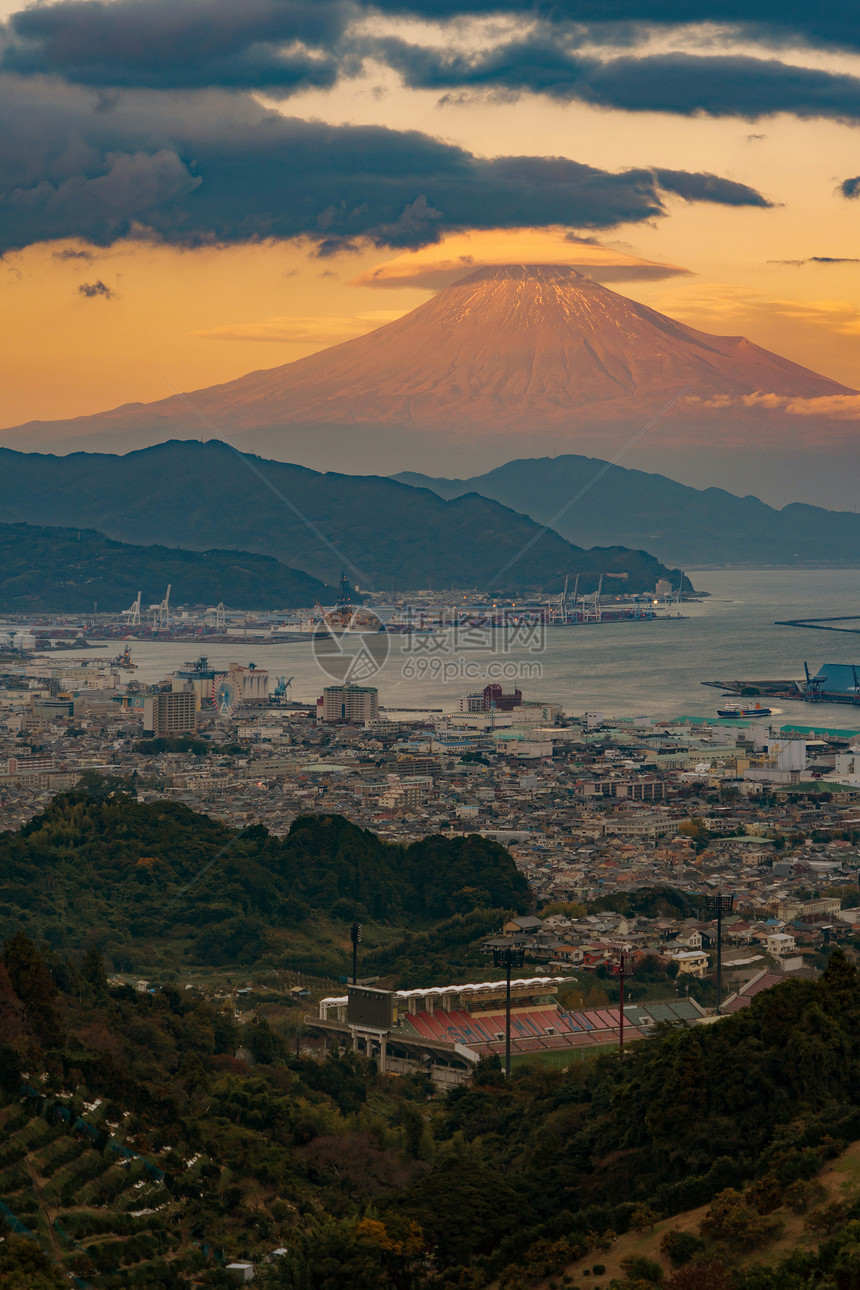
626, 669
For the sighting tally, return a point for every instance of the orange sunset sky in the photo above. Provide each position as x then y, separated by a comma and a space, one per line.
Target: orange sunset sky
199, 316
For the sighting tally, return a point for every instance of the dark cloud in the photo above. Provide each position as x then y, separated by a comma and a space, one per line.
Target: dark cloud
850, 187
93, 289
700, 186
818, 259
830, 23
682, 84
211, 167
288, 45
167, 44
70, 253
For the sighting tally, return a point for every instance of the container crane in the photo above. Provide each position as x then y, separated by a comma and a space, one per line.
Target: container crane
160, 613
591, 608
132, 614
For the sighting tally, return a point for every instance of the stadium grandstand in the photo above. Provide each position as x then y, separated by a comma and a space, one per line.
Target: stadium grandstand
444, 1030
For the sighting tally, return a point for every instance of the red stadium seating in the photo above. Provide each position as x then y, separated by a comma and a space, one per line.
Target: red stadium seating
530, 1029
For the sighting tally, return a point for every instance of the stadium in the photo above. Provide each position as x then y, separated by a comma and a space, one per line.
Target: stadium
445, 1030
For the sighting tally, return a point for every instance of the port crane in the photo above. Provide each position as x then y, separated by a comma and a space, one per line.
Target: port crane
556, 610
591, 607
160, 613
284, 684
132, 614
675, 597
564, 610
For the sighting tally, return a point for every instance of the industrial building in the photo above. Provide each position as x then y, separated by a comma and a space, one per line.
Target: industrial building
837, 682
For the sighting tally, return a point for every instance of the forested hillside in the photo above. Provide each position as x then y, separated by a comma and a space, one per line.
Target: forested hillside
203, 495
368, 1182
69, 570
681, 525
159, 884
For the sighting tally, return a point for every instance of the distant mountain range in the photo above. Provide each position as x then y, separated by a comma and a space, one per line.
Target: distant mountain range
383, 533
681, 525
514, 361
59, 570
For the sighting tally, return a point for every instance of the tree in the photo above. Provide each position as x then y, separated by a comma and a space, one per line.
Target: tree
709, 1274
732, 1222
802, 1194
680, 1247
828, 1219
23, 1266
570, 908
696, 829
401, 1245
93, 972
643, 1218
637, 1268
418, 1143
32, 982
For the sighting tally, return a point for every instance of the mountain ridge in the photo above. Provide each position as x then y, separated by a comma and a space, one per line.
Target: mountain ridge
386, 534
680, 524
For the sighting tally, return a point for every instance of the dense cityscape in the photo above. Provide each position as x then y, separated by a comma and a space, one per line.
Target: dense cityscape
587, 804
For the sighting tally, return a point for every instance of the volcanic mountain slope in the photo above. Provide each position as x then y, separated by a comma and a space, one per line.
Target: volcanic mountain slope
513, 347
518, 357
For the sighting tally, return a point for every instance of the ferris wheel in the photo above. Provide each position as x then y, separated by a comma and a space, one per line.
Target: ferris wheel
225, 694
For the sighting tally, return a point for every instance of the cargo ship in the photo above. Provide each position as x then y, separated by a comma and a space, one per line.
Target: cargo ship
744, 710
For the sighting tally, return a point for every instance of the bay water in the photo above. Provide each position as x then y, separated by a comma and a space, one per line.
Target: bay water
636, 668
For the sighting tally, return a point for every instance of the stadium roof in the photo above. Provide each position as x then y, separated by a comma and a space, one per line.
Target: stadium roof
435, 991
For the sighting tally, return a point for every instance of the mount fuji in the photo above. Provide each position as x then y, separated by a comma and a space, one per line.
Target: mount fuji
512, 361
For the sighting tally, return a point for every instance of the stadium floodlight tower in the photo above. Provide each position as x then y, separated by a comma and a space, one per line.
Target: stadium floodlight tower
355, 937
626, 963
508, 957
719, 905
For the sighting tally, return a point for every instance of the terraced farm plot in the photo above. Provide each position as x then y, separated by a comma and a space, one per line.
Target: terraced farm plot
103, 1213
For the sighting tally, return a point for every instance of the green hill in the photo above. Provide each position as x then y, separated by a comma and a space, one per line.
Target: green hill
370, 1182
157, 884
388, 535
57, 570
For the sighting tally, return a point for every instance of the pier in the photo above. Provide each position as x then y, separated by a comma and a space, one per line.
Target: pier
823, 624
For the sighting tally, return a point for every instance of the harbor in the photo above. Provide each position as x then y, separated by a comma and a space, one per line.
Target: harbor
658, 668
